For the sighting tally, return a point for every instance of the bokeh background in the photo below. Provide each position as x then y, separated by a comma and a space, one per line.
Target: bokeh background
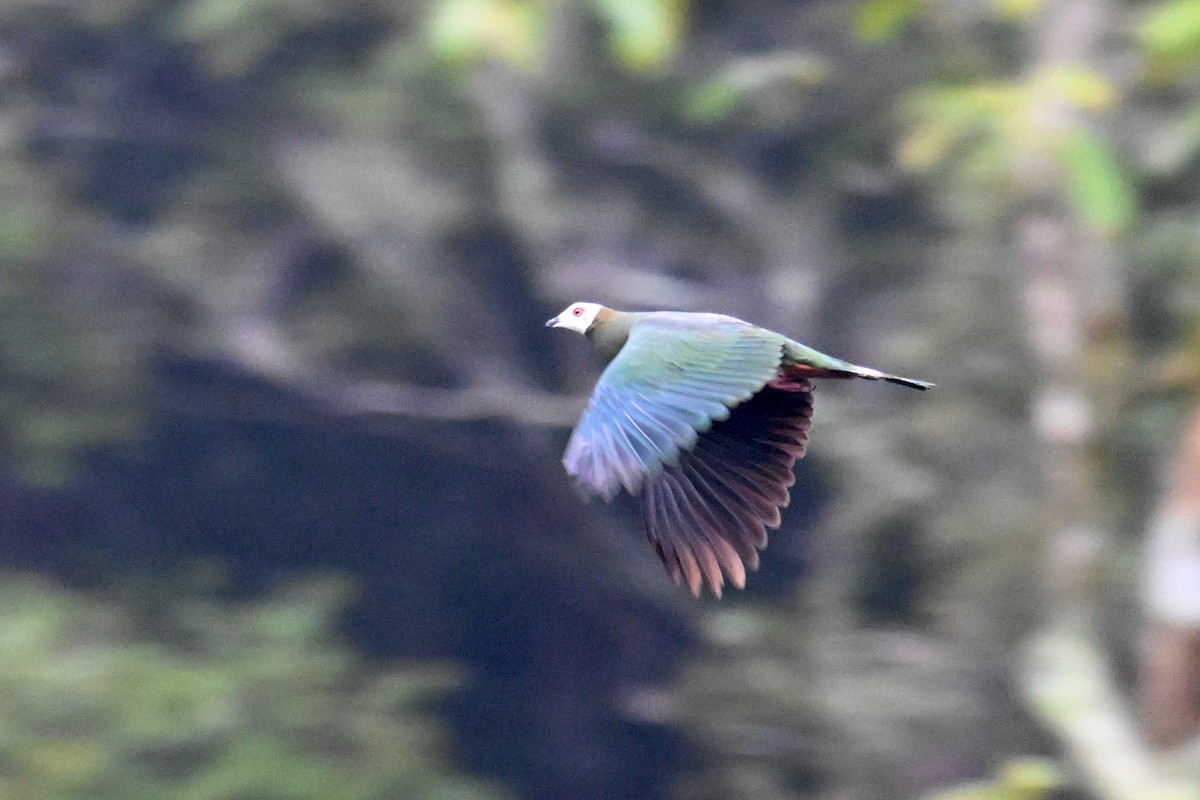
281, 509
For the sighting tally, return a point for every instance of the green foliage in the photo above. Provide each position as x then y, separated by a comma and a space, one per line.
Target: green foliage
1017, 9
880, 20
1169, 34
1096, 183
751, 686
465, 31
998, 133
195, 700
711, 101
754, 81
644, 34
68, 371
236, 35
1077, 86
877, 21
945, 117
1018, 779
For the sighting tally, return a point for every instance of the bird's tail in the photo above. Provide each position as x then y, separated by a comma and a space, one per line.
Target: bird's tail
876, 375
808, 363
798, 371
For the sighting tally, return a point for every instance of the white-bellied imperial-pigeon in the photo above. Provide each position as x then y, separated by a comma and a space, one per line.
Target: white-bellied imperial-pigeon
704, 416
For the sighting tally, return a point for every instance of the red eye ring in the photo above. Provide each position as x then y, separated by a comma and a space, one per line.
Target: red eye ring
576, 311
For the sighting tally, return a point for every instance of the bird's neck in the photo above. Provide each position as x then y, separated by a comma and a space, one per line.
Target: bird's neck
609, 332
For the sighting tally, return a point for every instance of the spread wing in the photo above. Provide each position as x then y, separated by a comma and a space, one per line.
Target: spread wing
709, 512
676, 375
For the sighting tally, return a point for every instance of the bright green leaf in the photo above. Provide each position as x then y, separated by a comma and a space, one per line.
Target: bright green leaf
1171, 30
644, 34
1096, 184
879, 20
1031, 777
1017, 9
462, 31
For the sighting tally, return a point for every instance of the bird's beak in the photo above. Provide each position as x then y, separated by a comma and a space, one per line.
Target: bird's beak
552, 322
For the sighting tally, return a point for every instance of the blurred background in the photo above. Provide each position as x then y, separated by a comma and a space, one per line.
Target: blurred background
282, 511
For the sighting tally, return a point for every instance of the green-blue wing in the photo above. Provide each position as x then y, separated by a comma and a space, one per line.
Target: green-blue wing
675, 376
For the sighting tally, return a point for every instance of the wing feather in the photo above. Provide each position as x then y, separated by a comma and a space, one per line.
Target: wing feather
714, 518
717, 501
676, 375
736, 503
682, 545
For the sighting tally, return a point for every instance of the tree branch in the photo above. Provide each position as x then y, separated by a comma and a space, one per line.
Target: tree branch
265, 353
513, 404
1069, 686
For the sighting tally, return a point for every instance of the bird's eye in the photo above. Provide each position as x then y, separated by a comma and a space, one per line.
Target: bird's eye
576, 311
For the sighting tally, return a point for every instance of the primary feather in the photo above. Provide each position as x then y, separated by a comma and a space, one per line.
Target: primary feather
710, 512
704, 417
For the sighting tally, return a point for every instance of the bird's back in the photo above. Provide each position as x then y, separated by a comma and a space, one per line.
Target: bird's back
716, 330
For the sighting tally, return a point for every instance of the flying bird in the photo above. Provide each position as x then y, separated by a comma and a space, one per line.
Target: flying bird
704, 416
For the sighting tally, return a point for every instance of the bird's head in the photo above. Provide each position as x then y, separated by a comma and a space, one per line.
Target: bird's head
577, 317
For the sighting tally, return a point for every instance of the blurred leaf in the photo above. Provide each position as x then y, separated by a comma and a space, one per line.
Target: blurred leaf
1017, 779
236, 34
927, 145
1095, 183
644, 34
1031, 777
754, 77
205, 18
1083, 87
943, 117
879, 20
463, 31
22, 231
1017, 9
1171, 30
711, 101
